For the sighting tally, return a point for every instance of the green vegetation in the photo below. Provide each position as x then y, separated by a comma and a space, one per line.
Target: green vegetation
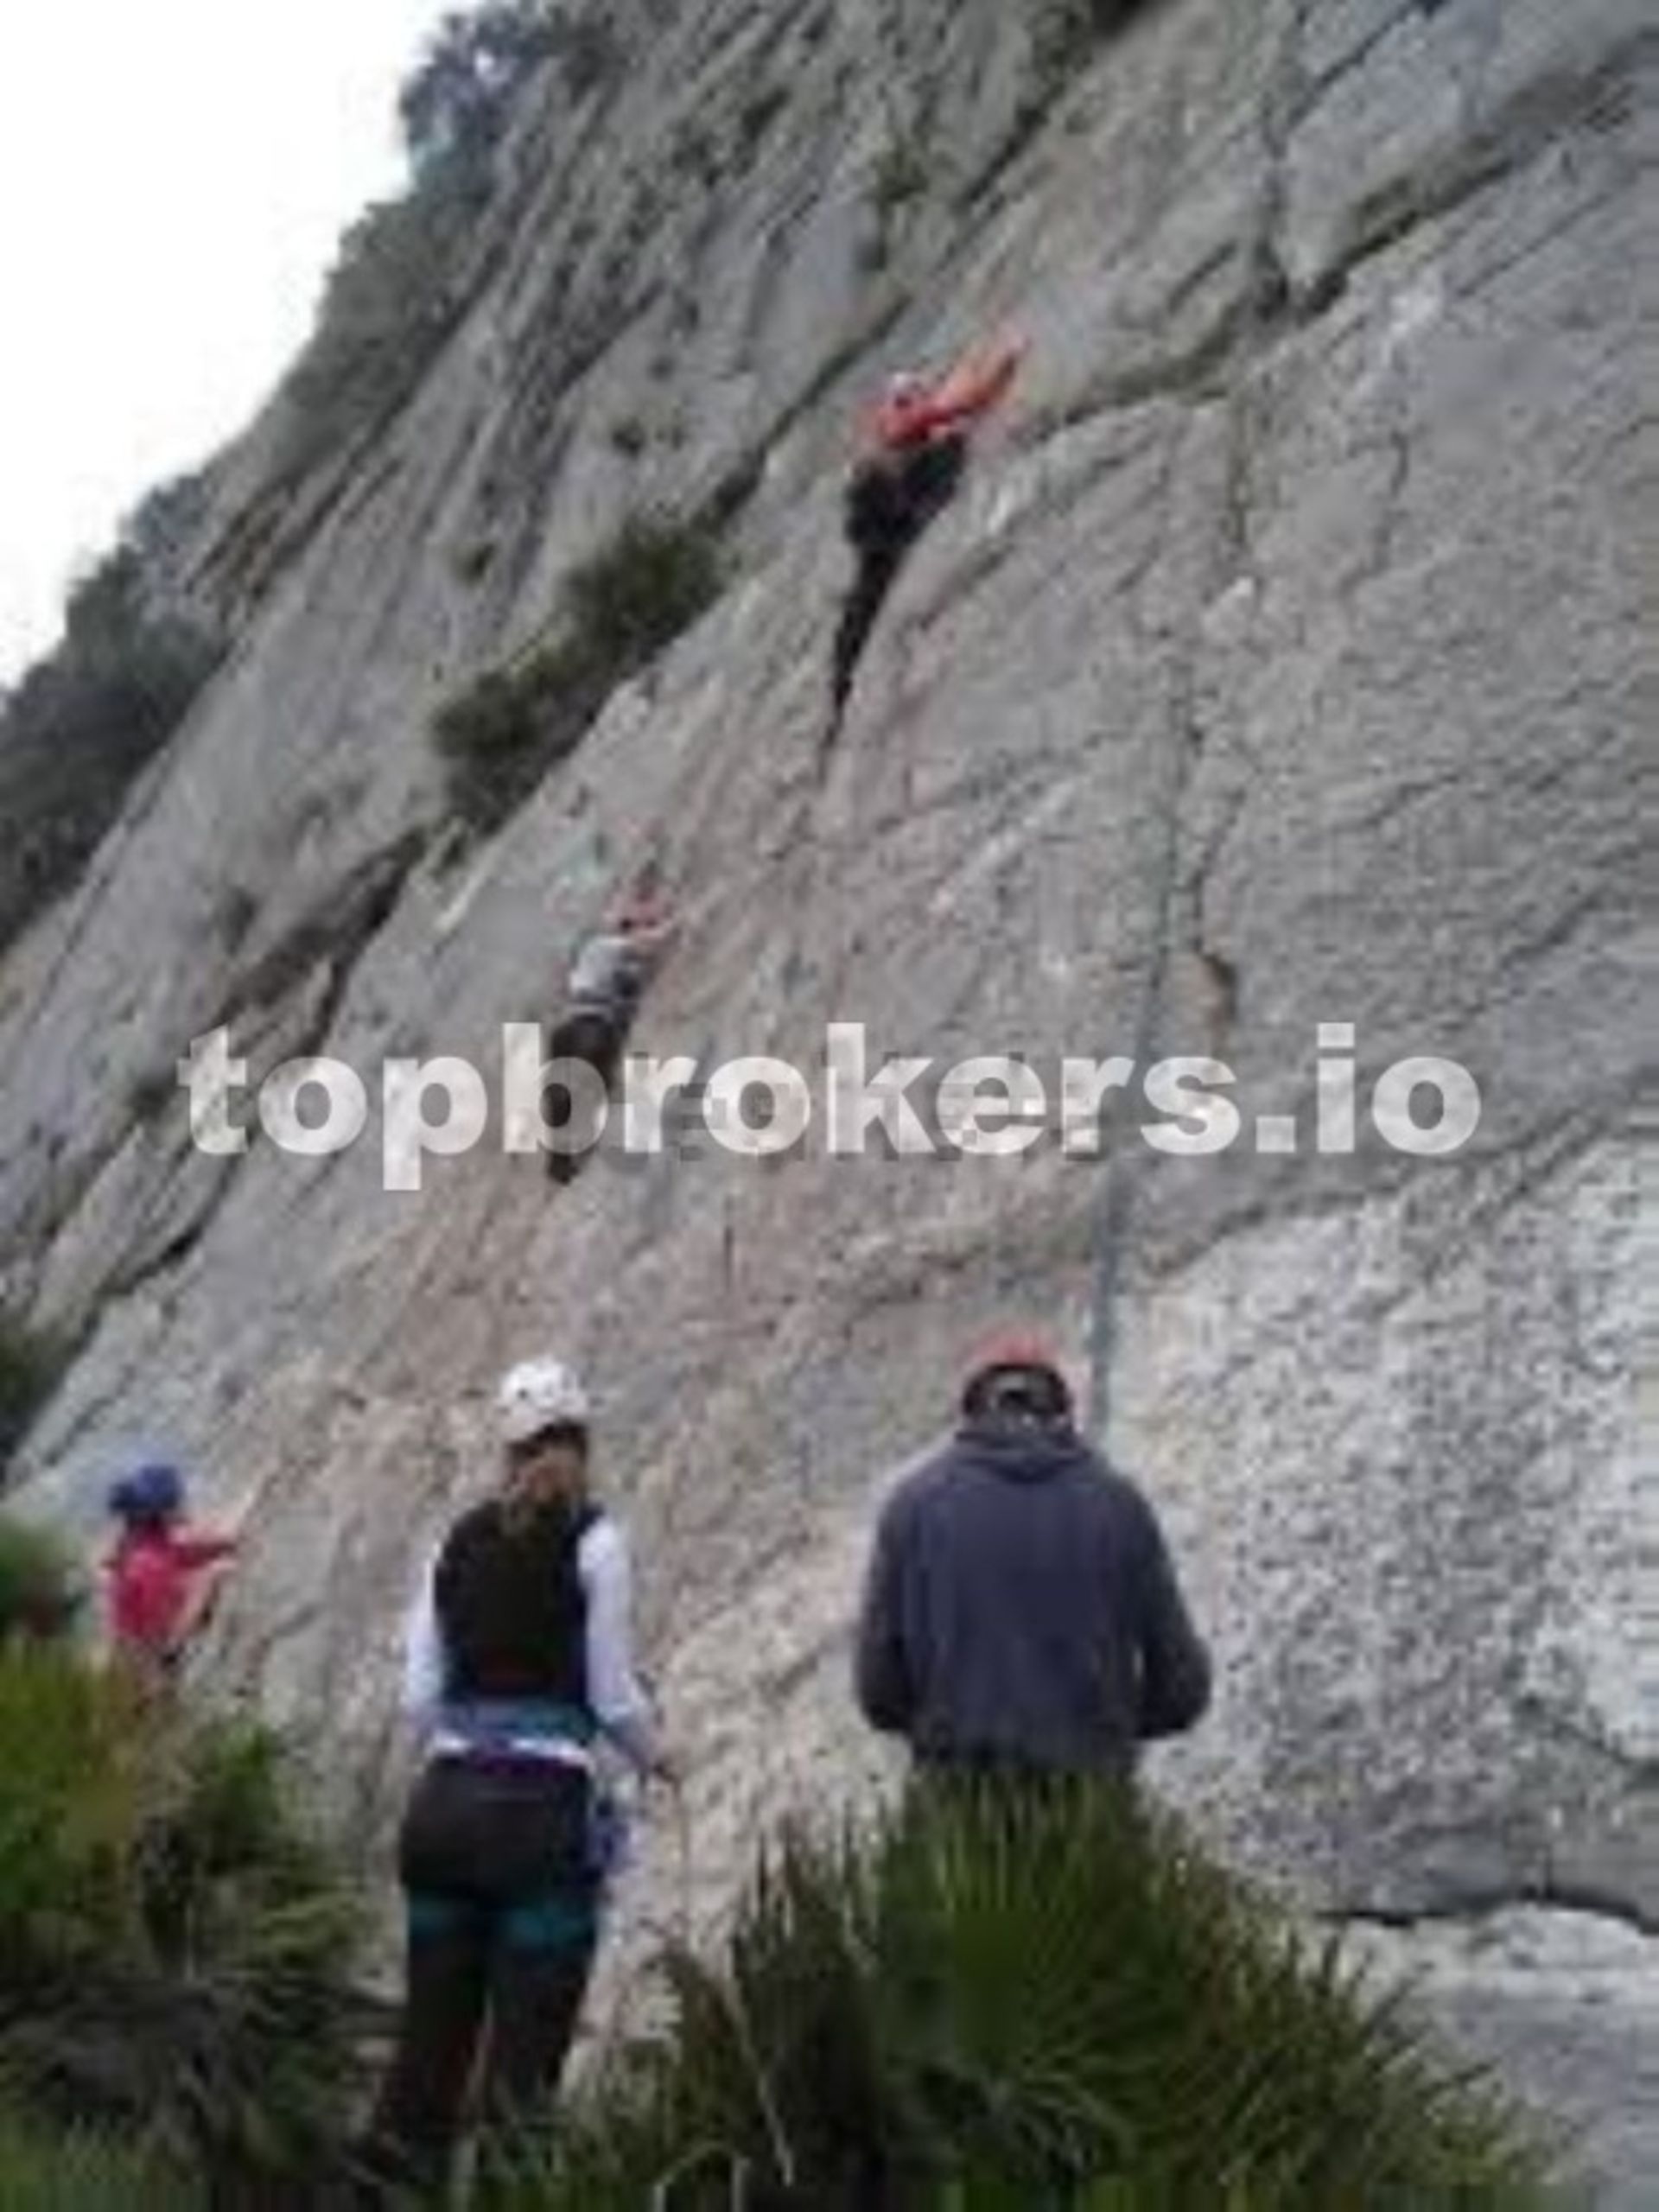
759, 112
621, 608
1066, 37
696, 154
235, 913
174, 1950
993, 2003
44, 2172
31, 1360
900, 176
396, 293
405, 270
83, 721
589, 50
1066, 33
39, 1591
458, 100
983, 2002
150, 1093
470, 564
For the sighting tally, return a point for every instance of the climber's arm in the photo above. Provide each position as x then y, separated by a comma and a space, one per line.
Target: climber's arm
1175, 1668
619, 1702
657, 939
426, 1663
199, 1547
975, 386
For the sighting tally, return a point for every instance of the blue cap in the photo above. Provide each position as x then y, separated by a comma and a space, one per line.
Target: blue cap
151, 1493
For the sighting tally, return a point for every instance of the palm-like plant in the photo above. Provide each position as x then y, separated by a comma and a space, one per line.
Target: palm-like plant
175, 1954
87, 2173
40, 1593
1008, 1999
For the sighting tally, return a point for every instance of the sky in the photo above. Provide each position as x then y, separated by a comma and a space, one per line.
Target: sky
173, 177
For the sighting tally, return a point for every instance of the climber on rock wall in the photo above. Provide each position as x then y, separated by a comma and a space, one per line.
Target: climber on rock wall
607, 984
517, 1666
1021, 1612
913, 455
162, 1576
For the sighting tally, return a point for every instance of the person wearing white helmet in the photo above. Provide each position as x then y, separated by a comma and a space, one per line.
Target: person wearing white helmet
517, 1665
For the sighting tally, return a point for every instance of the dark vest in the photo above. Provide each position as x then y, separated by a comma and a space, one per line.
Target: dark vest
511, 1605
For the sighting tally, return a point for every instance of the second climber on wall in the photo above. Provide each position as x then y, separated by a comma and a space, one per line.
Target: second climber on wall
607, 981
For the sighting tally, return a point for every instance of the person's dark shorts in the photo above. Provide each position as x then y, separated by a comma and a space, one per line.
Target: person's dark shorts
516, 1840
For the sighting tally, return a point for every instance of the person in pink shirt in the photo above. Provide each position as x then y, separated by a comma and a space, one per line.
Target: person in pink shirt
162, 1574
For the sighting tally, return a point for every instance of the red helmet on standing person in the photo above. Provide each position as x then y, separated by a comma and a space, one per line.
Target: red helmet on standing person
1016, 1366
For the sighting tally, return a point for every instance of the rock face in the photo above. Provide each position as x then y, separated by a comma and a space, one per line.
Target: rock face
1285, 664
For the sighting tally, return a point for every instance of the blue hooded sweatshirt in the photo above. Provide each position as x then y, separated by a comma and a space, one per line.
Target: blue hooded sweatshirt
1021, 1608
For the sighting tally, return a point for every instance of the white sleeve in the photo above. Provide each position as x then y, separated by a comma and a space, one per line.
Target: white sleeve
426, 1663
613, 1691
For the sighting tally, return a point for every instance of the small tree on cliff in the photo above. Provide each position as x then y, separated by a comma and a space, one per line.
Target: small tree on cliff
459, 97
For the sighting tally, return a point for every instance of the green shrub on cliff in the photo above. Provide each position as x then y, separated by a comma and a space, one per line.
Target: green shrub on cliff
175, 1950
405, 269
621, 608
40, 1589
31, 1360
457, 100
1066, 33
83, 721
394, 295
1065, 36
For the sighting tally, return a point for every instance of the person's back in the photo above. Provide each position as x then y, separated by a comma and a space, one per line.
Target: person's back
1022, 1607
518, 1660
511, 1608
609, 972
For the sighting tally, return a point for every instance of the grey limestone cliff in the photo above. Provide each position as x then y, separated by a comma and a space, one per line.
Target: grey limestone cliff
1287, 661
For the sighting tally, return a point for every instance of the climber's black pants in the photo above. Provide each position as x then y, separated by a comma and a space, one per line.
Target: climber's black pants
872, 582
599, 1039
503, 1900
888, 507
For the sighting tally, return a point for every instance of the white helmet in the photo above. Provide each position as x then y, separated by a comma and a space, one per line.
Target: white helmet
539, 1393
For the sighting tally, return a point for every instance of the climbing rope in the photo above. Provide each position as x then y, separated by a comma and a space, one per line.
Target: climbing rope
1116, 1206
1115, 1209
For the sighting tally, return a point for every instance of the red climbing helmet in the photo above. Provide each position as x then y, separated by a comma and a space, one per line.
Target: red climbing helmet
902, 408
1014, 1347
1017, 1352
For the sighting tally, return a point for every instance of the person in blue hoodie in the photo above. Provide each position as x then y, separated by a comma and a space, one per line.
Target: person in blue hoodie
1021, 1613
